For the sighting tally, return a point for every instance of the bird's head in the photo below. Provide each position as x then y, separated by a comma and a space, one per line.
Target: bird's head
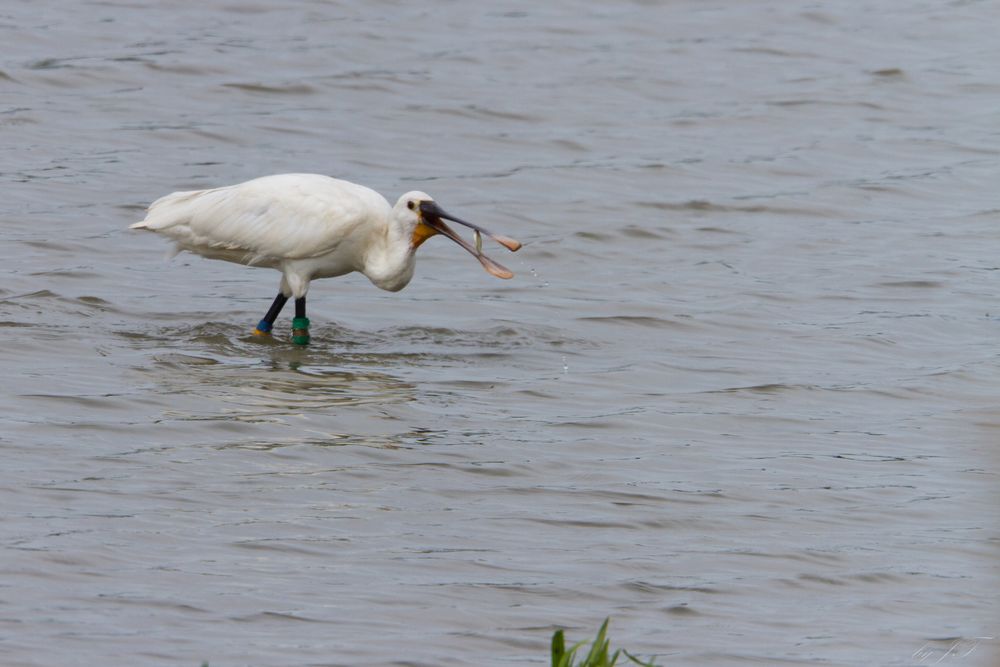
418, 211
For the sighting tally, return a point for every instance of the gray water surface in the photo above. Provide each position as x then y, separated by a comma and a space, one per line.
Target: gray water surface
740, 396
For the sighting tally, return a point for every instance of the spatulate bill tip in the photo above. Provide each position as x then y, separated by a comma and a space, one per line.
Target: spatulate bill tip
507, 242
495, 269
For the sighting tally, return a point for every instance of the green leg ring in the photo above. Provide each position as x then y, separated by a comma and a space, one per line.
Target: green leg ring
300, 330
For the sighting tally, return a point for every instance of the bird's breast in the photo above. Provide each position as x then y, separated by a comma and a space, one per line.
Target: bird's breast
390, 271
330, 265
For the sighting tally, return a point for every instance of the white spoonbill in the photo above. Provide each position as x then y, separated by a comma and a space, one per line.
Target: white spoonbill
310, 226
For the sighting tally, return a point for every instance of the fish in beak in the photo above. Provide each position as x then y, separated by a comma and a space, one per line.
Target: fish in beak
434, 217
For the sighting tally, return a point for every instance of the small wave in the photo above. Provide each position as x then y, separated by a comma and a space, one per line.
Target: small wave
888, 72
923, 284
639, 321
704, 206
288, 89
769, 388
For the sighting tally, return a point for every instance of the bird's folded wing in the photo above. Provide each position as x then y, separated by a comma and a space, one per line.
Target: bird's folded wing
288, 224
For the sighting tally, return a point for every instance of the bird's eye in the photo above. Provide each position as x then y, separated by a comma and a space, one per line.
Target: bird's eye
410, 205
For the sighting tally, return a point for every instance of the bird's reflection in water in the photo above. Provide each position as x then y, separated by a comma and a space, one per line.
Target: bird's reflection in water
277, 384
219, 386
218, 372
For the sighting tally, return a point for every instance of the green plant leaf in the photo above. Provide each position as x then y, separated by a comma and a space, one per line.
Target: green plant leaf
558, 647
638, 661
571, 656
598, 655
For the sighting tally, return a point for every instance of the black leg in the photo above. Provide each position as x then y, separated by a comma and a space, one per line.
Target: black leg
265, 325
300, 325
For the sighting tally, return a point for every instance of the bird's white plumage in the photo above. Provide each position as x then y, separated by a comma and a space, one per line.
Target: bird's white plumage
305, 225
290, 216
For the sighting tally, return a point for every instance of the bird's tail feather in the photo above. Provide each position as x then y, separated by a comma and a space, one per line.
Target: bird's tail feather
168, 211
